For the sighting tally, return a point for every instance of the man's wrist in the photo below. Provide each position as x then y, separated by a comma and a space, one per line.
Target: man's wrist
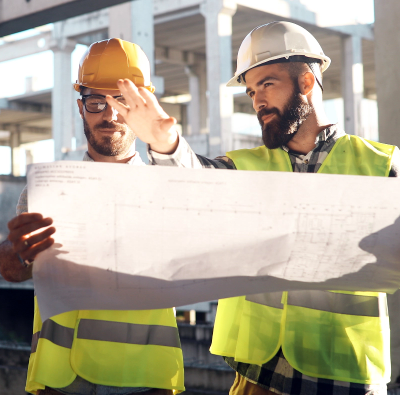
168, 147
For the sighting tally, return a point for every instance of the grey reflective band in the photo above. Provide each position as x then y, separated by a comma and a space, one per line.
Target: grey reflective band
122, 332
271, 299
367, 306
56, 333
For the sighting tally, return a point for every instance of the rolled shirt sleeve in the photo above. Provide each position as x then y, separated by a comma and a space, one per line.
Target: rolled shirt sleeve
185, 157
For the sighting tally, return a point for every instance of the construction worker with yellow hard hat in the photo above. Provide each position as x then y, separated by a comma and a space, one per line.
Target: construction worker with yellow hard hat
96, 352
296, 342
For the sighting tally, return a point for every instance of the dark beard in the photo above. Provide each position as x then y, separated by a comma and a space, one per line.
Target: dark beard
109, 145
282, 128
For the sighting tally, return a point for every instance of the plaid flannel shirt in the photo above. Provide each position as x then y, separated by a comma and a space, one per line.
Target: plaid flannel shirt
277, 375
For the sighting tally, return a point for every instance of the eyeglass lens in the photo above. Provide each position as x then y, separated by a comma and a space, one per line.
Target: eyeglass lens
95, 103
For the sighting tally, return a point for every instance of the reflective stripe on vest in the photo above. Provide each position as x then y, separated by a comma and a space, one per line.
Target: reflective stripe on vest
332, 302
56, 333
272, 299
339, 303
122, 332
118, 332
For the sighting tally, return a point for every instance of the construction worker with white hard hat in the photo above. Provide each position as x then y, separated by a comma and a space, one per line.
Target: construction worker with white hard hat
296, 342
96, 352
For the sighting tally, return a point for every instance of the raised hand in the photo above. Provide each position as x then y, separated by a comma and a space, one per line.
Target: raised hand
146, 118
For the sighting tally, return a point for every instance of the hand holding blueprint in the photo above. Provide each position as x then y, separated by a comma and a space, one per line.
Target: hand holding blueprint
153, 237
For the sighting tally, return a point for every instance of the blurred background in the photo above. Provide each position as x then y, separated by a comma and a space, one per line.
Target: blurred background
192, 47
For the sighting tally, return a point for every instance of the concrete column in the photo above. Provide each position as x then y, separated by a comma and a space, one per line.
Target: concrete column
204, 121
79, 134
218, 22
387, 63
193, 108
352, 84
15, 141
184, 118
134, 22
63, 105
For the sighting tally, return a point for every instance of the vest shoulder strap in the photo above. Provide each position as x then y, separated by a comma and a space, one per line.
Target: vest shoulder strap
261, 159
353, 155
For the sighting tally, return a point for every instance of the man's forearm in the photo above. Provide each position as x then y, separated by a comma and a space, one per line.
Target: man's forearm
10, 267
185, 157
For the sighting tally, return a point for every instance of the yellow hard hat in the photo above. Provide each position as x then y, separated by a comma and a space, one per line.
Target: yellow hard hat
105, 62
274, 41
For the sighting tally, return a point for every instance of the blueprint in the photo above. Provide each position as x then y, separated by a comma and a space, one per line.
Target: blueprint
132, 237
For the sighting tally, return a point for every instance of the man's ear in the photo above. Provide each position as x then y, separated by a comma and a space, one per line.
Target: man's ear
306, 82
80, 106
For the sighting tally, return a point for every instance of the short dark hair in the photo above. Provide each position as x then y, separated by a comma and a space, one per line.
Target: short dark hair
81, 89
296, 68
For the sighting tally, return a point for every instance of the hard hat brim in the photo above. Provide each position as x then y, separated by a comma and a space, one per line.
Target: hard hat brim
326, 61
77, 87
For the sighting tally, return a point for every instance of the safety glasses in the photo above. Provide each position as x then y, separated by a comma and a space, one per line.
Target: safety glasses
98, 103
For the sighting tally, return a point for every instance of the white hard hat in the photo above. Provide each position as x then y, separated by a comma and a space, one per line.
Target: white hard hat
273, 41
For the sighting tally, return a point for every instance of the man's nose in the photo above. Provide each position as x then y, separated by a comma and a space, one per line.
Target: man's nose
110, 114
259, 102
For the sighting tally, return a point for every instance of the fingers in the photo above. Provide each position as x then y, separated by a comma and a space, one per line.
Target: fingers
24, 219
131, 93
31, 253
25, 228
121, 108
150, 99
25, 244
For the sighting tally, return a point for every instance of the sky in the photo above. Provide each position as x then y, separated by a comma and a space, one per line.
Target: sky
14, 73
342, 12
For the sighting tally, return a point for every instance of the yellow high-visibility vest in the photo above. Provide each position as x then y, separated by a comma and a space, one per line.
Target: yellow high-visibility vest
336, 335
135, 348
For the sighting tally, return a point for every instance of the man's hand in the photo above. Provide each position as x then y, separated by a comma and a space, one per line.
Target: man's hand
25, 244
22, 242
144, 115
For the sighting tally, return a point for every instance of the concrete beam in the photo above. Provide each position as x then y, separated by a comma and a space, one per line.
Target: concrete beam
28, 46
281, 8
78, 27
170, 17
170, 6
83, 25
34, 130
25, 106
19, 15
297, 11
365, 32
174, 56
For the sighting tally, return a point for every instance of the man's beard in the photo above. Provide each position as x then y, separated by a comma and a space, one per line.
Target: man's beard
284, 125
109, 145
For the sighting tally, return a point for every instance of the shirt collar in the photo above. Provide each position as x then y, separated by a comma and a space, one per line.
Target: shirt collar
331, 132
136, 160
